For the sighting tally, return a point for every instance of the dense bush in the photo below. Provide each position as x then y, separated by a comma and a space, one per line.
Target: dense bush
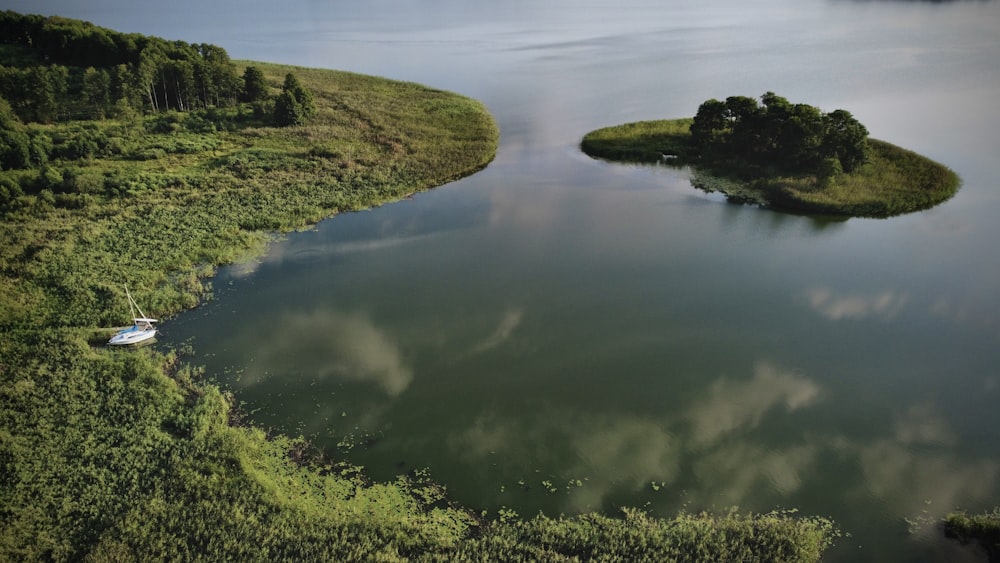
294, 106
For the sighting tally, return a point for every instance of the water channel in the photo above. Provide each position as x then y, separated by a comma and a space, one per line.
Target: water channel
561, 334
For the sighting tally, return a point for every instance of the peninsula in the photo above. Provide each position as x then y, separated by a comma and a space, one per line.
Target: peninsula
785, 156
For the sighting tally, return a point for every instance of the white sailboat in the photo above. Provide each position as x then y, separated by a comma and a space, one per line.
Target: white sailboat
142, 329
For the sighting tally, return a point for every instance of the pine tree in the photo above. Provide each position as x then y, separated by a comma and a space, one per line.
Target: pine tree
294, 106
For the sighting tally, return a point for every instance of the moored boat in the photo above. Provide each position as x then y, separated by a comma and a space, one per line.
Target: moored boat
143, 328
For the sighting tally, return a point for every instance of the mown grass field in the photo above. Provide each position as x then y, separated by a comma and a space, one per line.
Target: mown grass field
893, 181
124, 455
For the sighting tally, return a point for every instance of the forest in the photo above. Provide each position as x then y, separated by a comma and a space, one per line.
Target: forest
56, 69
72, 92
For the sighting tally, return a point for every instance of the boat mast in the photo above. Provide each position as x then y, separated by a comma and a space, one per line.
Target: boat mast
133, 306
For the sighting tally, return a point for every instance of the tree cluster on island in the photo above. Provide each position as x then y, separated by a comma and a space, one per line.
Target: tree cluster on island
780, 136
786, 156
55, 69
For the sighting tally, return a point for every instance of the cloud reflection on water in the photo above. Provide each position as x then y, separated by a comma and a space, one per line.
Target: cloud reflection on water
884, 305
326, 343
610, 452
713, 454
737, 405
508, 324
627, 452
622, 452
732, 471
315, 249
916, 472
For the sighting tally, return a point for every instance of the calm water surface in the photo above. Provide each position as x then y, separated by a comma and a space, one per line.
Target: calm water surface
561, 334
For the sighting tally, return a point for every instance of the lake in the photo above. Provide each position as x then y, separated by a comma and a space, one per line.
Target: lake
561, 334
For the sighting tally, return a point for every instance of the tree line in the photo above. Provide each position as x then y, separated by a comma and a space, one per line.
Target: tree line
779, 135
82, 71
61, 70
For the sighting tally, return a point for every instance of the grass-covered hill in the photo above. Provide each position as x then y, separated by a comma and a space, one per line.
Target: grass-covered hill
124, 455
784, 156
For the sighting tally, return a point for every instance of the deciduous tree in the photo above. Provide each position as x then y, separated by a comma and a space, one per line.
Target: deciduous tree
96, 91
846, 139
791, 138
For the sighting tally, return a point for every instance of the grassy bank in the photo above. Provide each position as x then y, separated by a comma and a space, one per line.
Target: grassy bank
167, 197
110, 454
893, 181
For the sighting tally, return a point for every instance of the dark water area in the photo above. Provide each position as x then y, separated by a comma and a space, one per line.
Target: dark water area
561, 334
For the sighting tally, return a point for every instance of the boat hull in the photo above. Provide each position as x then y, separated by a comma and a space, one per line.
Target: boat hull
132, 336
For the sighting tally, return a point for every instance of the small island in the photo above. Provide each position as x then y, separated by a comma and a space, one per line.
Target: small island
784, 156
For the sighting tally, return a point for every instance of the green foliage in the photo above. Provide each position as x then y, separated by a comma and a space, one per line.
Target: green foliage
15, 145
288, 111
71, 69
254, 85
96, 91
891, 181
638, 537
15, 149
210, 197
983, 529
844, 139
295, 105
108, 453
776, 135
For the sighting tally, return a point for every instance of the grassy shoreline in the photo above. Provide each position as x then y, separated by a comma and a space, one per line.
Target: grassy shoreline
212, 190
894, 181
110, 454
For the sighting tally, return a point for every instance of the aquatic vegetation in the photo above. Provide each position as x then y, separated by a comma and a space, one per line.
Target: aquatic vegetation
983, 529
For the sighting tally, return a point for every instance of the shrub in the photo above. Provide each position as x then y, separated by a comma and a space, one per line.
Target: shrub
10, 190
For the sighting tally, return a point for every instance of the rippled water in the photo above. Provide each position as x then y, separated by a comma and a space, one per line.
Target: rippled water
562, 334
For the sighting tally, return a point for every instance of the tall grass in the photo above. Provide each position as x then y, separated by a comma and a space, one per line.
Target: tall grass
894, 181
641, 141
